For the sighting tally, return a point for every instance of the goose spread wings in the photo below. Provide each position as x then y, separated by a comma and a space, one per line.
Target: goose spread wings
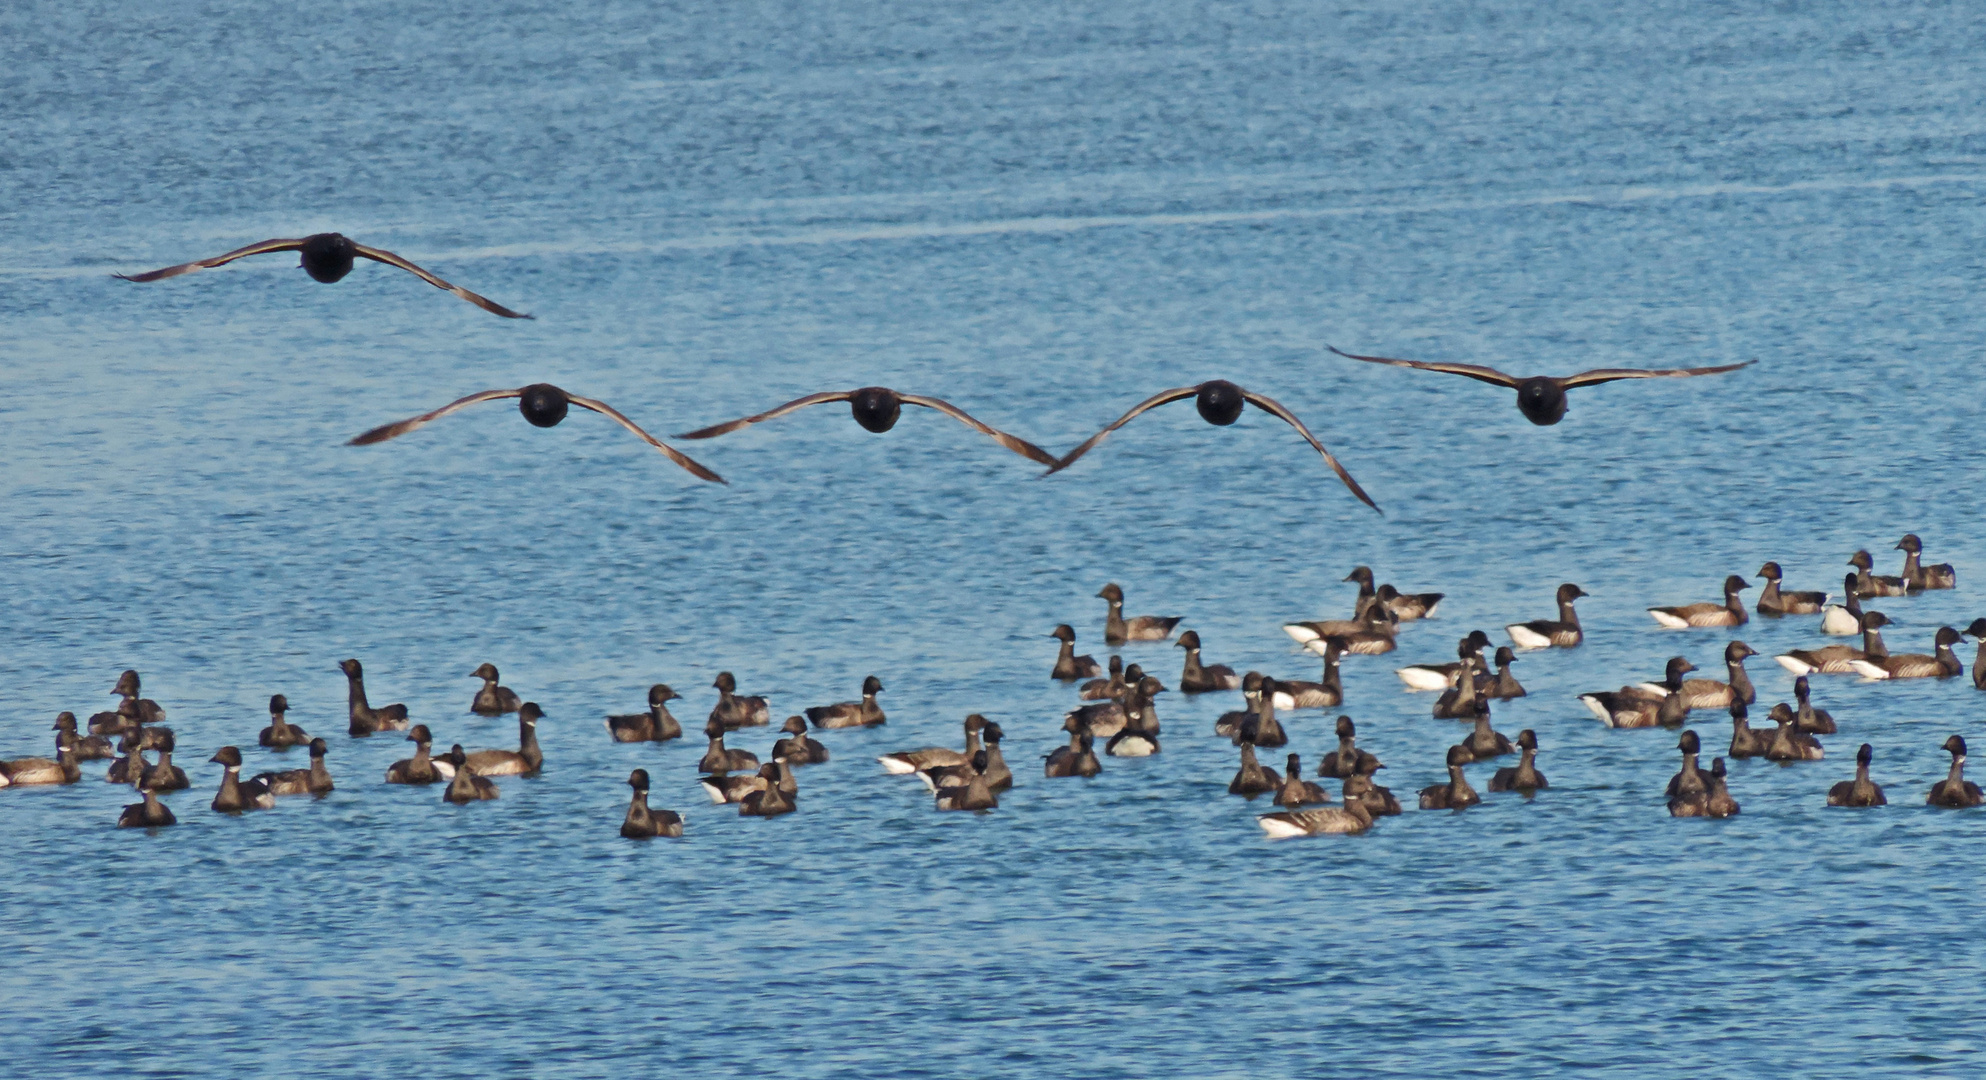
1275, 408
1473, 371
262, 248
1601, 375
400, 427
1152, 402
730, 426
390, 259
1018, 445
674, 454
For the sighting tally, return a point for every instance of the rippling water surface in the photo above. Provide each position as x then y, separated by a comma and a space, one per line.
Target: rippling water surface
1044, 213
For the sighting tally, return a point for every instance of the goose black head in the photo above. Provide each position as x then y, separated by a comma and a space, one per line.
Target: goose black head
327, 257
1865, 755
1346, 729
278, 705
227, 755
1112, 593
1360, 574
794, 726
714, 729
1569, 592
725, 683
529, 714
1770, 571
1458, 756
979, 762
1541, 400
1717, 768
1781, 713
1188, 640
1219, 402
486, 671
872, 685
543, 404
127, 684
1911, 544
1874, 620
318, 747
1977, 630
1504, 655
660, 693
1947, 637
1738, 651
1955, 746
1064, 632
638, 779
420, 735
1735, 584
64, 722
352, 669
992, 734
876, 408
1689, 743
1862, 561
1527, 739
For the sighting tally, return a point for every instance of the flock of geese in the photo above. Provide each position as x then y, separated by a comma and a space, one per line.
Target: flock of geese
1117, 708
329, 257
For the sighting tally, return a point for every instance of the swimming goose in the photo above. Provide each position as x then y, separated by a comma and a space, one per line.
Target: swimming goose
1106, 719
1641, 707
1327, 693
796, 749
846, 714
1367, 593
1541, 398
1076, 759
1372, 642
1442, 676
1485, 742
526, 760
41, 771
150, 814
1717, 800
1229, 723
1711, 694
281, 734
1459, 702
974, 794
1860, 791
717, 759
420, 768
1068, 666
1360, 786
464, 786
1264, 729
642, 822
1456, 794
1117, 629
655, 725
735, 710
315, 780
1688, 788
1562, 632
1504, 685
1199, 678
1253, 778
1354, 817
1789, 743
364, 718
235, 794
1295, 790
492, 700
1942, 665
1811, 720
1976, 631
877, 409
774, 796
995, 771
1840, 620
1140, 735
130, 768
165, 776
1775, 603
543, 405
1729, 613
1524, 776
327, 258
1111, 688
1916, 576
1376, 620
1840, 659
1408, 606
1220, 403
132, 712
88, 747
907, 762
1868, 583
1747, 741
1955, 790
1347, 760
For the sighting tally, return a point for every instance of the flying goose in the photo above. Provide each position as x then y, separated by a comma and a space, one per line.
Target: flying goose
1541, 398
877, 408
327, 257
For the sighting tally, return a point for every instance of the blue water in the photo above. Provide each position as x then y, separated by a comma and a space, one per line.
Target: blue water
1044, 213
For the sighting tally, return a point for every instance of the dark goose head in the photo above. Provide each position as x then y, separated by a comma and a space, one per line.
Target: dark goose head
327, 257
877, 408
1219, 402
638, 780
1542, 400
543, 404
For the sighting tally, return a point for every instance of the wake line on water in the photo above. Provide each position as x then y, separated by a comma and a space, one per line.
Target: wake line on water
1051, 225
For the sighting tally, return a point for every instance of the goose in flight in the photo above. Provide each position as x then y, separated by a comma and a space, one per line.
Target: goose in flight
327, 257
544, 405
1541, 398
1220, 403
877, 409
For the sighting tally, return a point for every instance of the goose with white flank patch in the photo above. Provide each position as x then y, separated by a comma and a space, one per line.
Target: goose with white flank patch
851, 714
1442, 676
1789, 743
41, 771
493, 699
1562, 632
1869, 583
1117, 629
655, 725
526, 760
1916, 576
1327, 693
1774, 603
1200, 678
1840, 659
464, 786
1943, 664
237, 795
642, 822
1068, 666
420, 768
1711, 694
1295, 790
1729, 613
1352, 818
1641, 707
1845, 618
735, 710
909, 762
315, 780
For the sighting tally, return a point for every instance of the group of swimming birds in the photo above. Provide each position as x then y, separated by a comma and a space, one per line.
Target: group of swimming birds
329, 257
1121, 712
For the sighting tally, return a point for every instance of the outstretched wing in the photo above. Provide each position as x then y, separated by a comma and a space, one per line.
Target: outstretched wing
1473, 371
674, 454
1601, 375
1019, 446
730, 426
262, 248
1274, 408
1152, 402
390, 259
401, 427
